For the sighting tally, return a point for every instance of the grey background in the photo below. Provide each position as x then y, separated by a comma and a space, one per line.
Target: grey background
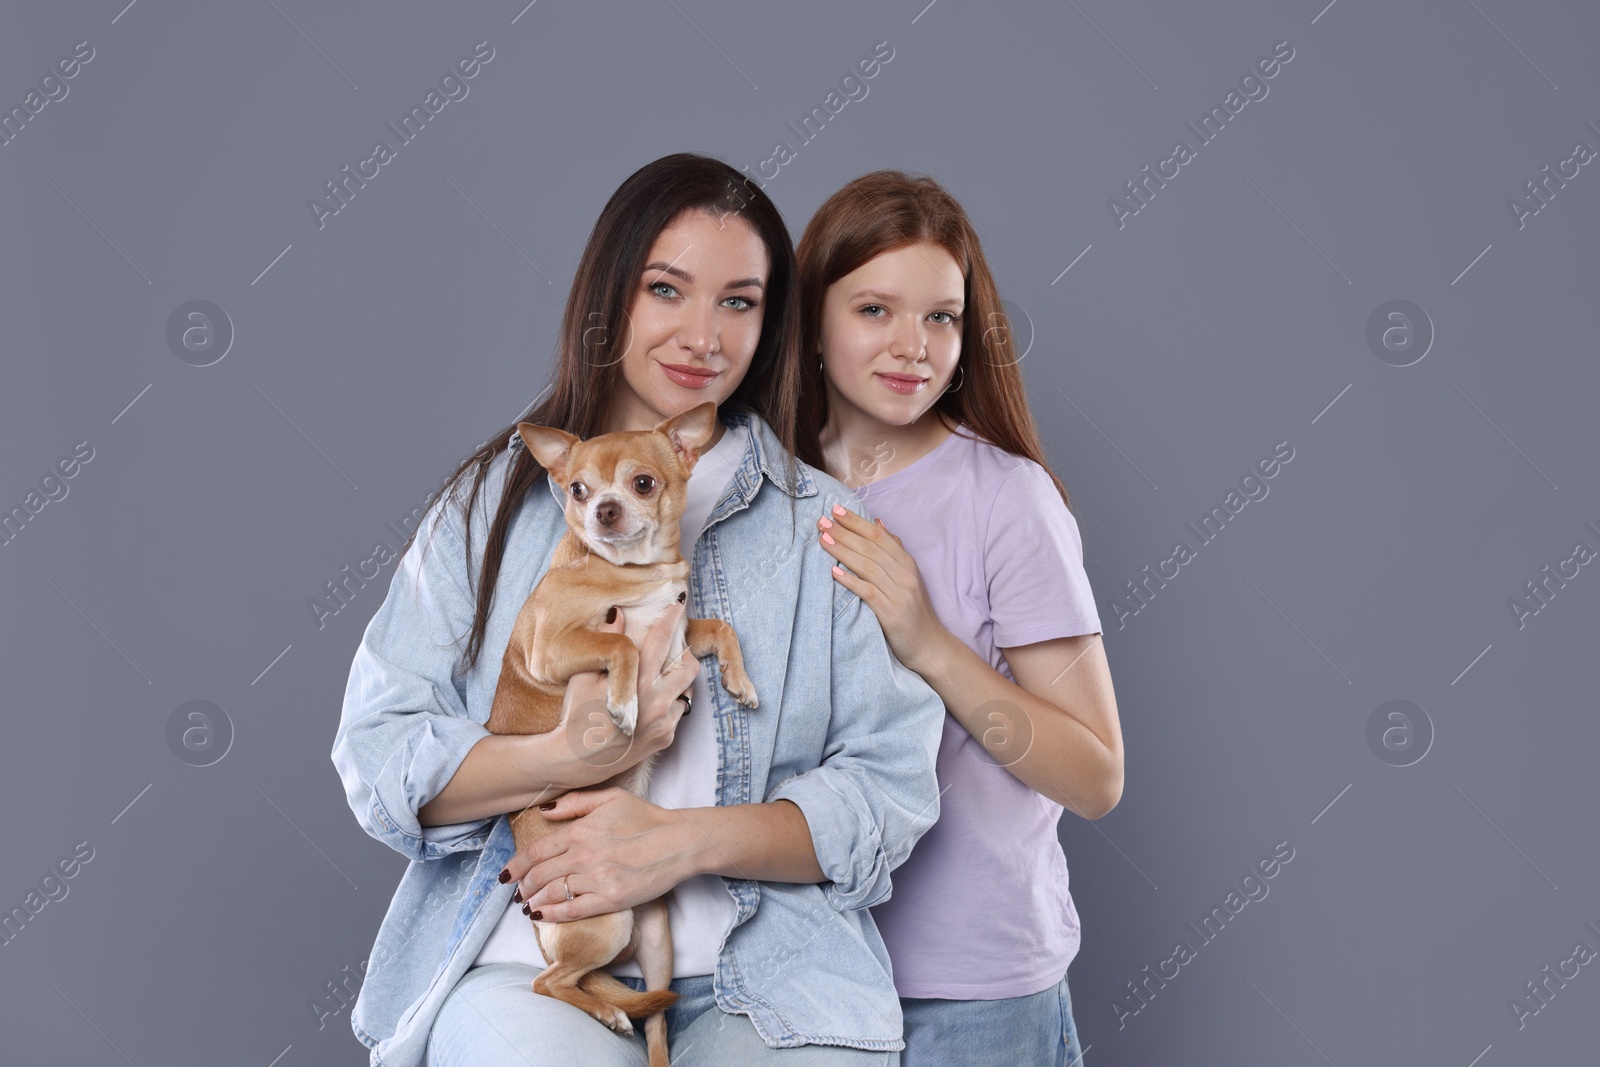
1226, 316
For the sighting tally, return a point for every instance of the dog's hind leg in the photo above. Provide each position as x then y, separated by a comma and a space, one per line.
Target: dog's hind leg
653, 937
576, 948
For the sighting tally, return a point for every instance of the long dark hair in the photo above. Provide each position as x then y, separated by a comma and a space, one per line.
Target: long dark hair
880, 212
594, 331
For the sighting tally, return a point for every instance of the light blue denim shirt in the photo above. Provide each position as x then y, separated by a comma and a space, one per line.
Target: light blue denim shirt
844, 730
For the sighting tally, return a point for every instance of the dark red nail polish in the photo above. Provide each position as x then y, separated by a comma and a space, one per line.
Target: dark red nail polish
538, 915
548, 805
611, 616
516, 895
525, 909
505, 876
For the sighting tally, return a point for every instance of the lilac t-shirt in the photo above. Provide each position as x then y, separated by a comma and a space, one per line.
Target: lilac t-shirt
981, 909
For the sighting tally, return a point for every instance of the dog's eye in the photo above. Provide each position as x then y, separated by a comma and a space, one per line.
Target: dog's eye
578, 490
643, 484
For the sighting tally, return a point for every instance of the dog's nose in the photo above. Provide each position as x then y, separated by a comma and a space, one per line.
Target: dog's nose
608, 512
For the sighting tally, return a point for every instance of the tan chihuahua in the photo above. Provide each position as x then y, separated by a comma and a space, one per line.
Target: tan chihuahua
626, 493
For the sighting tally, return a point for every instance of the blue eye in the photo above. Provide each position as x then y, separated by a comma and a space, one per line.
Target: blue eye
655, 287
867, 309
744, 302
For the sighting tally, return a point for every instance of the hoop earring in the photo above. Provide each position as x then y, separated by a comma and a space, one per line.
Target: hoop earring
961, 369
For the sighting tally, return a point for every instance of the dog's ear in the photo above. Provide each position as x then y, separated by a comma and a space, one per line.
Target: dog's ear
551, 447
690, 430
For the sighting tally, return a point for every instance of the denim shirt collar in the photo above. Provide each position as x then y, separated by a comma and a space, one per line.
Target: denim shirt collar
768, 456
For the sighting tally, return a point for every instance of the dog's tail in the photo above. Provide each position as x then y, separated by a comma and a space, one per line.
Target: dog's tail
603, 985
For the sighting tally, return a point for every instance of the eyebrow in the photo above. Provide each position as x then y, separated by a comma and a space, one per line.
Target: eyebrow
678, 272
890, 298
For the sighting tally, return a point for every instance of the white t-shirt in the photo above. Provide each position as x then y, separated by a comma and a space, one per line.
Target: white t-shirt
685, 776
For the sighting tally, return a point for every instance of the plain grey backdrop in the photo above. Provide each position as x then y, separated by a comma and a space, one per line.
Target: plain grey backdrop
1427, 543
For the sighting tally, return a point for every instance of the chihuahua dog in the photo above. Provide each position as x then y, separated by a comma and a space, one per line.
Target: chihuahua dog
626, 493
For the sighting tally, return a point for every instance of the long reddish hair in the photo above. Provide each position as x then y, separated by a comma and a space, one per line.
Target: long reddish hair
880, 212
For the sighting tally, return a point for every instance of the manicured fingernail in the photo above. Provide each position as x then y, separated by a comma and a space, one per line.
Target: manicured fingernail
682, 597
827, 524
547, 805
516, 895
505, 876
838, 509
537, 915
827, 539
525, 910
611, 616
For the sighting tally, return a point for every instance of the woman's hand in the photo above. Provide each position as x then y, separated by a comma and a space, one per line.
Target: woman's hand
622, 852
598, 748
886, 577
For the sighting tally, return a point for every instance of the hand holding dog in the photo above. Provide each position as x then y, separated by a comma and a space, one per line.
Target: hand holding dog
622, 852
886, 578
601, 749
626, 851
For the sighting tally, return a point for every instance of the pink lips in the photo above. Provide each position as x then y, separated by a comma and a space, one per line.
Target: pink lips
687, 376
902, 383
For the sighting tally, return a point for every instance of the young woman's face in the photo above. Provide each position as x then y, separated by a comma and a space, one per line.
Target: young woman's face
695, 320
891, 333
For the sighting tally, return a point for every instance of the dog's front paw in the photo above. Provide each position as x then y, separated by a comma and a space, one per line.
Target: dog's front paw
625, 715
737, 682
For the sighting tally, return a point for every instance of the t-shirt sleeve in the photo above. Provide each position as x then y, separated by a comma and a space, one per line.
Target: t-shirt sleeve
1033, 558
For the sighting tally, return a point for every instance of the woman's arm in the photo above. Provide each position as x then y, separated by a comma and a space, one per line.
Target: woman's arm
501, 773
1057, 731
420, 774
625, 850
404, 728
1054, 729
510, 772
768, 842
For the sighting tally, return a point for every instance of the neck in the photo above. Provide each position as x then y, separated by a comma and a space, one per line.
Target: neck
858, 448
642, 552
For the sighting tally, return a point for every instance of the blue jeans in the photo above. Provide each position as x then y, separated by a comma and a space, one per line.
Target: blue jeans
1030, 1031
493, 1016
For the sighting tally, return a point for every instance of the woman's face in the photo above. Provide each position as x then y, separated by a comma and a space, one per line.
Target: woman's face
695, 319
891, 333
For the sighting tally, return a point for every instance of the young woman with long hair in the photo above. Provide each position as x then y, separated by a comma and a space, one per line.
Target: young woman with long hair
775, 828
974, 568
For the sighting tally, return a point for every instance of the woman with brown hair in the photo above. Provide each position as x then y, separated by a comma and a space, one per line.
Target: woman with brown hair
974, 568
773, 829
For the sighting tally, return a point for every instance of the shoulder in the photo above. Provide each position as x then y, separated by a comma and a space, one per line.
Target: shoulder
1021, 495
1001, 478
986, 457
447, 513
829, 488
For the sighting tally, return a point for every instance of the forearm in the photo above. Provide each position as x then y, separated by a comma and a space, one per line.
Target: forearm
501, 773
1063, 760
763, 842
